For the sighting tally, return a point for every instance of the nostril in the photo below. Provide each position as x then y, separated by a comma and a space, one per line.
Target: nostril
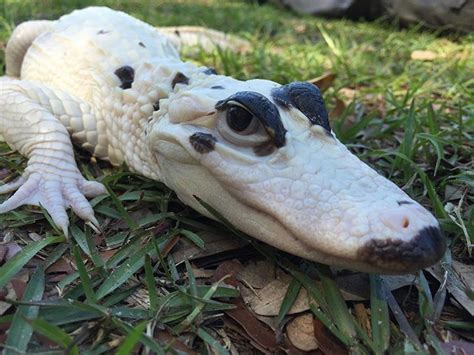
406, 222
396, 220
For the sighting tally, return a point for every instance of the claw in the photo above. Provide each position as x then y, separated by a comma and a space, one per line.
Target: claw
94, 225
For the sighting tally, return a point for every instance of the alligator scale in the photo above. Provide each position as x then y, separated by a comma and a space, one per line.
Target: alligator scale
262, 154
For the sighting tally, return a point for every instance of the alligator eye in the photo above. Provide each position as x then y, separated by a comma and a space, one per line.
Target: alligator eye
239, 126
238, 118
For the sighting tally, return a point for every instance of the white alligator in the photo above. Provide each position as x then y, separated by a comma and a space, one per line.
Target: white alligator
262, 154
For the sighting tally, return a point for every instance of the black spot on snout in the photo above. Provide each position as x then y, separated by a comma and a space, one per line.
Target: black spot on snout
210, 71
141, 44
263, 109
179, 78
398, 256
307, 98
102, 32
203, 142
217, 87
126, 74
400, 203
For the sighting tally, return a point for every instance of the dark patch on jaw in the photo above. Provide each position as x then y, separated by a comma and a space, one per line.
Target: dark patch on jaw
141, 44
305, 97
218, 87
126, 74
156, 105
203, 142
397, 256
210, 71
400, 203
263, 109
264, 150
179, 78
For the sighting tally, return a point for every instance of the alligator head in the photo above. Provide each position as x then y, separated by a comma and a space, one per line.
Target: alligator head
264, 156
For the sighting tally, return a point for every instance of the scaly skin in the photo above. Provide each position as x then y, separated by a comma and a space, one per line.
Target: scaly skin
261, 154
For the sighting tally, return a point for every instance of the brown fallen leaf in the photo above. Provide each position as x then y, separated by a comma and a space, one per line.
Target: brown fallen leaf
423, 55
19, 287
254, 329
301, 332
268, 300
362, 317
62, 265
456, 283
215, 243
324, 81
327, 342
337, 110
259, 274
164, 337
228, 268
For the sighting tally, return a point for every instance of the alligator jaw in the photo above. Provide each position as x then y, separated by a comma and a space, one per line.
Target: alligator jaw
425, 249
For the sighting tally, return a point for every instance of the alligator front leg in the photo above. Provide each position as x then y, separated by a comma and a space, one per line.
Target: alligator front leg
35, 120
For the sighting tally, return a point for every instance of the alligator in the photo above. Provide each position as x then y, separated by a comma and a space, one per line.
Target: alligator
261, 154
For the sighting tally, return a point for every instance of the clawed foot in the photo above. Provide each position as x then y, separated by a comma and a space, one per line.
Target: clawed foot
55, 191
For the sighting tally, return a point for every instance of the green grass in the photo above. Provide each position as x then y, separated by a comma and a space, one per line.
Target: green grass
411, 120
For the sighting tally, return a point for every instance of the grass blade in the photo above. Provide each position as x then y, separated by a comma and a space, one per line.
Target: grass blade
290, 298
379, 315
131, 340
151, 284
12, 266
20, 331
55, 334
83, 274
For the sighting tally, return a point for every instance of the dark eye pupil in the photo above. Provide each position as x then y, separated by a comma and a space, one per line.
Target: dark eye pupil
238, 118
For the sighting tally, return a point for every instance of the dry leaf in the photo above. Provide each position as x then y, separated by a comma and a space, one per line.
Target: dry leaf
337, 110
254, 329
268, 300
458, 347
301, 332
424, 55
215, 244
456, 283
324, 81
258, 275
362, 317
327, 342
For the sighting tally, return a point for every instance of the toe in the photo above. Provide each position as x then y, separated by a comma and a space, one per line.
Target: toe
93, 188
79, 204
12, 186
26, 194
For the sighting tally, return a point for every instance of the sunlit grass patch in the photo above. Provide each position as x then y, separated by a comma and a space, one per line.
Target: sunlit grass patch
411, 119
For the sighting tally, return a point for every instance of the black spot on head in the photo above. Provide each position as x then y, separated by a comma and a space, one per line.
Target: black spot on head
141, 44
217, 87
156, 105
404, 203
263, 109
210, 71
307, 98
203, 142
264, 149
126, 74
179, 78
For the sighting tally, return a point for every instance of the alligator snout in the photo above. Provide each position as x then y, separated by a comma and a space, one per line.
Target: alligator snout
425, 249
